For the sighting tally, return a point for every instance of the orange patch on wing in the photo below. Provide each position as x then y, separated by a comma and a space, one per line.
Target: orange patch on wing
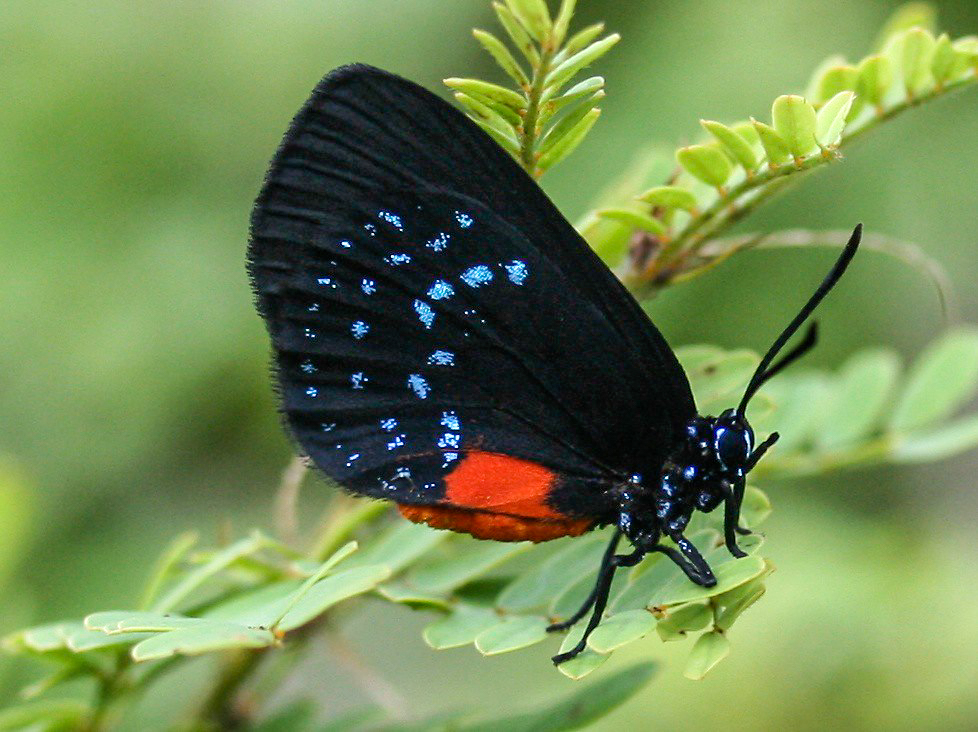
497, 483
496, 526
498, 497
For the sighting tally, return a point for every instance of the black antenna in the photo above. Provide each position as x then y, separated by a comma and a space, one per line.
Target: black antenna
764, 369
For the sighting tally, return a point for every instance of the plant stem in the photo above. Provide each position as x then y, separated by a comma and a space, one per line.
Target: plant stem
528, 141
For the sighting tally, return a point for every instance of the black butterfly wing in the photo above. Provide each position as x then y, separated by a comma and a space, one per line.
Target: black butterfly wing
428, 305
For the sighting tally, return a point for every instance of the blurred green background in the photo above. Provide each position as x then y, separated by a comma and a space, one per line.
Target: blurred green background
134, 398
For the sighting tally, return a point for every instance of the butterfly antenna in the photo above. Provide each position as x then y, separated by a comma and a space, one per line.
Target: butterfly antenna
765, 369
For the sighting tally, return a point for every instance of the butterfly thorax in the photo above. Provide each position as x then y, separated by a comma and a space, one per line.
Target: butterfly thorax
705, 467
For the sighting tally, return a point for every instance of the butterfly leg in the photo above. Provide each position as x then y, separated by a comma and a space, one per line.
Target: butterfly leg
739, 494
689, 560
731, 517
589, 602
602, 588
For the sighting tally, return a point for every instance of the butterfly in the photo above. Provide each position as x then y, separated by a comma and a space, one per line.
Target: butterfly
444, 339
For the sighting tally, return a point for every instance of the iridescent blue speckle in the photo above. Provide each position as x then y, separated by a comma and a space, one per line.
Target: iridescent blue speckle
516, 271
449, 440
397, 442
327, 426
395, 260
359, 329
312, 392
440, 290
449, 457
326, 282
463, 219
358, 380
441, 358
308, 367
389, 424
368, 286
477, 276
309, 333
425, 314
418, 384
439, 243
346, 244
370, 229
392, 219
313, 307
352, 459
450, 420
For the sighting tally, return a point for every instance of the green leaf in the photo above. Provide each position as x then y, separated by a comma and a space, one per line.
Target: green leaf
497, 115
584, 662
405, 594
497, 49
206, 637
684, 619
399, 546
665, 584
943, 378
511, 634
634, 219
937, 443
128, 621
732, 604
569, 142
577, 92
774, 145
569, 121
577, 710
835, 80
304, 589
489, 90
794, 121
194, 579
755, 508
537, 588
706, 163
831, 119
585, 57
533, 15
256, 607
580, 40
907, 16
708, 651
517, 33
621, 629
166, 565
472, 560
562, 21
93, 640
331, 590
733, 143
917, 53
670, 197
460, 627
861, 391
875, 78
942, 61
44, 638
747, 131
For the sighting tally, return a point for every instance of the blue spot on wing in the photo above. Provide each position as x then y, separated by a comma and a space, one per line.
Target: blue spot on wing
477, 276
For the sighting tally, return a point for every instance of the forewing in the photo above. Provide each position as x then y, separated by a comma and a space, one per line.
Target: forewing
426, 301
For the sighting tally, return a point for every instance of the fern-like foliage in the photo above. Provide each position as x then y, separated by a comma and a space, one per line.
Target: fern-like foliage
249, 598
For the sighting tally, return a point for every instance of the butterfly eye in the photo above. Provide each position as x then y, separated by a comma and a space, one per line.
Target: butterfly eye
733, 447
